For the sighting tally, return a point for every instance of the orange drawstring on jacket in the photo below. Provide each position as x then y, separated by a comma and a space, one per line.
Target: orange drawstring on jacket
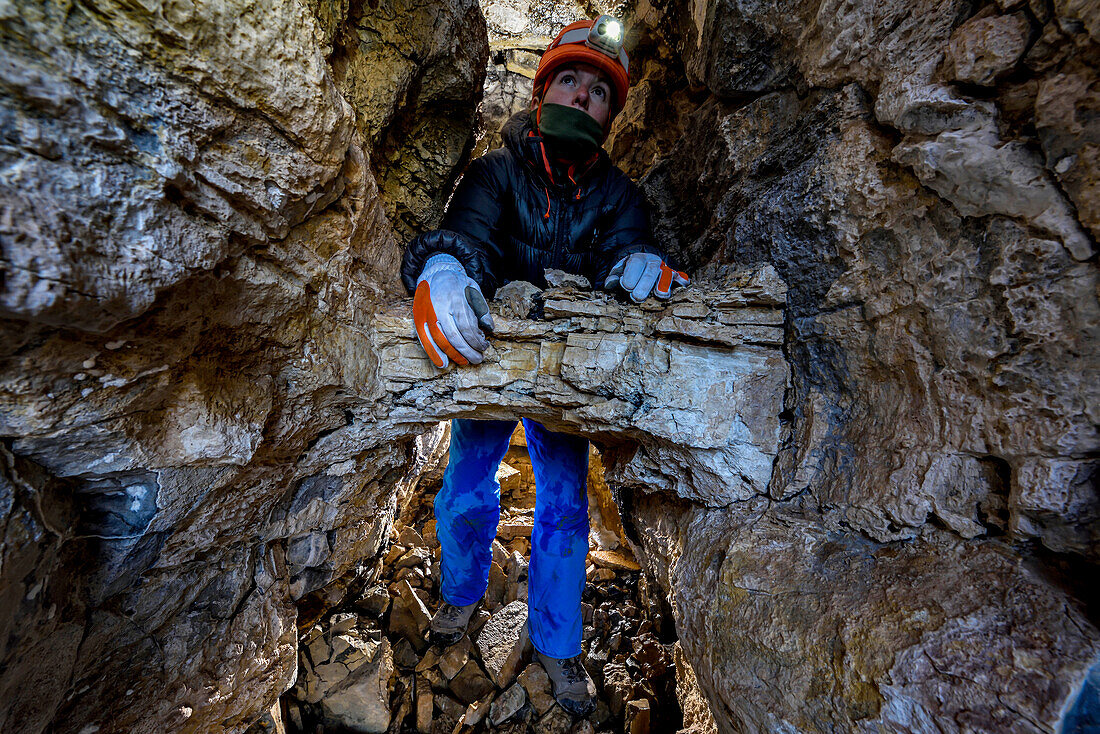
569, 173
549, 172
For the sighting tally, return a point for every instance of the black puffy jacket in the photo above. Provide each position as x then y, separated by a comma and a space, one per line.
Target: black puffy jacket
508, 220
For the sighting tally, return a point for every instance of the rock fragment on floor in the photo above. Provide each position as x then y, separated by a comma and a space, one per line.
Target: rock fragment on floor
454, 658
362, 702
503, 642
613, 560
554, 721
537, 684
475, 713
515, 528
425, 705
409, 616
470, 684
637, 717
508, 706
374, 602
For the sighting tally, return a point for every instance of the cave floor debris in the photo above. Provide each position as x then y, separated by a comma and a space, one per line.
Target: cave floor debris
365, 664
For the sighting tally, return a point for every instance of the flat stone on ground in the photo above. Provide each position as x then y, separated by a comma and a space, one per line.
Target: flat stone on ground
409, 538
555, 721
508, 477
374, 601
614, 560
502, 642
537, 684
364, 704
471, 683
454, 658
507, 705
515, 528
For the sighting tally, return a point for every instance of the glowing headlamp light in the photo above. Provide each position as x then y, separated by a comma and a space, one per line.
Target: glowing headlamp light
606, 36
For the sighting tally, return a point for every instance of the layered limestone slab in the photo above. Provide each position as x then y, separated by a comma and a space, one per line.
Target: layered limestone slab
697, 383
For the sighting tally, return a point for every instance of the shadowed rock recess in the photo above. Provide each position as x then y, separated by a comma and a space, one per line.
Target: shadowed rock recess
855, 462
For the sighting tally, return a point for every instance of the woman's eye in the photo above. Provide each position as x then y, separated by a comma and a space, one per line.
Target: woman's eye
567, 79
599, 92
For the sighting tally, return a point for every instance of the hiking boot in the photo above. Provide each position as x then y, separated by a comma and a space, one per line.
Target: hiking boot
573, 688
449, 624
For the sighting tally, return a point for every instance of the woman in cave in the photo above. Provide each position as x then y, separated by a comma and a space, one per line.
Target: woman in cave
550, 198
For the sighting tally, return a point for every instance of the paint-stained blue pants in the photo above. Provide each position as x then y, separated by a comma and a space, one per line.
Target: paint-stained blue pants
467, 510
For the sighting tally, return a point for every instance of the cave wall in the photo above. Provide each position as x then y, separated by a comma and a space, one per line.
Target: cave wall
193, 233
943, 317
916, 174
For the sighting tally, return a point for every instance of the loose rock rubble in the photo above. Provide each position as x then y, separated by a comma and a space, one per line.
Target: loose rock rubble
366, 666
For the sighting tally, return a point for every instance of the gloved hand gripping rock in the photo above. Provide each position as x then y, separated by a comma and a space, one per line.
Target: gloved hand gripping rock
450, 312
643, 273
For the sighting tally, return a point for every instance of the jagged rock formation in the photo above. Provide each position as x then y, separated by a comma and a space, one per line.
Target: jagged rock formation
826, 632
895, 162
955, 281
211, 403
191, 239
411, 71
366, 666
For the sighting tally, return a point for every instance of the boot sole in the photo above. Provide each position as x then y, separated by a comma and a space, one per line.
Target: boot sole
445, 639
578, 708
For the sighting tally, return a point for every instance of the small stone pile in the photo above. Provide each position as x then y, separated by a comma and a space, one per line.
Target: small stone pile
365, 666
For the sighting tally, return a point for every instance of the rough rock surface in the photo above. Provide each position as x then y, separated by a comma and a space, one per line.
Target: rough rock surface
411, 72
190, 235
938, 243
503, 644
210, 404
985, 47
824, 632
436, 689
941, 337
696, 387
353, 683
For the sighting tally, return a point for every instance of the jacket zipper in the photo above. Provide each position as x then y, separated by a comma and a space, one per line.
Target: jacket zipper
559, 239
557, 251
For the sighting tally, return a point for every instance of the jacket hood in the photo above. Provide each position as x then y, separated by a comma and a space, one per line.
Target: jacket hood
517, 137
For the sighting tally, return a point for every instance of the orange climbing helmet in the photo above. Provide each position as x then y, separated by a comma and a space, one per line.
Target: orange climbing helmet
599, 43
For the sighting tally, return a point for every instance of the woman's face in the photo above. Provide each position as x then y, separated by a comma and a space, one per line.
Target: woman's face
584, 87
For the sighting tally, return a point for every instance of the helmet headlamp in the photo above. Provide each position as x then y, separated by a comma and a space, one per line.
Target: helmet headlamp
606, 36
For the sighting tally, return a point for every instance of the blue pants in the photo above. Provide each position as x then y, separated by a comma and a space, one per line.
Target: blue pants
467, 510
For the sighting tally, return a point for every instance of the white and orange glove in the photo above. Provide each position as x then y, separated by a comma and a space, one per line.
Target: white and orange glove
450, 312
643, 273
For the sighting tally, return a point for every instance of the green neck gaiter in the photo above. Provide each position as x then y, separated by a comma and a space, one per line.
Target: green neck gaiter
572, 133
